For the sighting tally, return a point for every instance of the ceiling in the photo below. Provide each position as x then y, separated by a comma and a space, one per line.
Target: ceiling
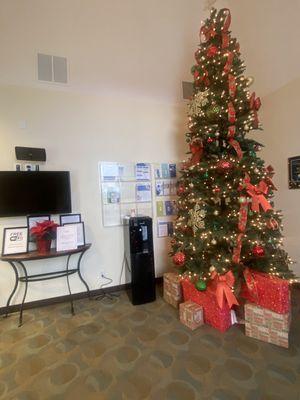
142, 47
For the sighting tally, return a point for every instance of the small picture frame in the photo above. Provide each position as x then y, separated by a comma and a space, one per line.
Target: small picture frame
18, 167
69, 219
294, 172
28, 167
80, 232
15, 240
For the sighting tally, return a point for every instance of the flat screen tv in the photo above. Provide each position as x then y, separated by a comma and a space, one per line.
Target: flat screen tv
40, 192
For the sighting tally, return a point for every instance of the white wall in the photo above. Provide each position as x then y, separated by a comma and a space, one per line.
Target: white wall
280, 118
78, 130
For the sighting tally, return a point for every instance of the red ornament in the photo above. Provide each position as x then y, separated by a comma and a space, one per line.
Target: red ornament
212, 51
180, 189
179, 259
173, 242
216, 189
258, 251
224, 166
211, 140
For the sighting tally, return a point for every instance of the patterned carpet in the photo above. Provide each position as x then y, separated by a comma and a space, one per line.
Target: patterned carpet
113, 350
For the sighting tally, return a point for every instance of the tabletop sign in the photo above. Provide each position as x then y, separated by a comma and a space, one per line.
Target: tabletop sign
66, 238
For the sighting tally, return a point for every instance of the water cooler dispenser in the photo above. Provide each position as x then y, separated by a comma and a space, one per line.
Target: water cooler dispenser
139, 257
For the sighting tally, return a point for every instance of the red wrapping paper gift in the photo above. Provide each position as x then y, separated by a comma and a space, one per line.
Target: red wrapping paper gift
219, 318
267, 291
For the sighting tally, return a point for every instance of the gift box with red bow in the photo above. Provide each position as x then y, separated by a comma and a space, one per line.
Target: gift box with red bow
214, 315
172, 289
267, 291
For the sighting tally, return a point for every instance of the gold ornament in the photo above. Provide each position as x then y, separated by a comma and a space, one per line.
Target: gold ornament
197, 215
196, 104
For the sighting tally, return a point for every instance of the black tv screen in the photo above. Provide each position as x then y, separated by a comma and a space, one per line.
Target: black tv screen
40, 192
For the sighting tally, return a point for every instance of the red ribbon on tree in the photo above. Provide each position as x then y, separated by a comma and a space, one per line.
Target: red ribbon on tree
201, 78
257, 193
231, 113
231, 85
250, 282
236, 256
255, 105
270, 171
243, 217
225, 13
228, 65
207, 32
234, 143
196, 149
223, 287
272, 224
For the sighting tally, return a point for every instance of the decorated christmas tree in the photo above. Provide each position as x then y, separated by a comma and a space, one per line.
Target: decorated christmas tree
226, 221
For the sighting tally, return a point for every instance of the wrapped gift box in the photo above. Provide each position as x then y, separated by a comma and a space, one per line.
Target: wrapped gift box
172, 289
191, 314
280, 338
268, 292
264, 317
219, 318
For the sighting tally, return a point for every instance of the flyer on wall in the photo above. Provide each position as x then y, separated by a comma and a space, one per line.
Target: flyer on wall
109, 171
143, 172
143, 192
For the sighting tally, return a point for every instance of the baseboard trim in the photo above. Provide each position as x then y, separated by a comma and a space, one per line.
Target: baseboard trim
63, 299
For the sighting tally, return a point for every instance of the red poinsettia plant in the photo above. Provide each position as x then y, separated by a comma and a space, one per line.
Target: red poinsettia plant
45, 230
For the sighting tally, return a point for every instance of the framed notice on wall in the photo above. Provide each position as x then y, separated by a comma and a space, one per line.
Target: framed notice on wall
294, 172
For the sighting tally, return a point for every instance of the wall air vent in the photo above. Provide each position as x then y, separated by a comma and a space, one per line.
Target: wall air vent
52, 68
187, 90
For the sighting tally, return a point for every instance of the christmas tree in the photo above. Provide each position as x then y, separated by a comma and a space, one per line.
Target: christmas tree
226, 221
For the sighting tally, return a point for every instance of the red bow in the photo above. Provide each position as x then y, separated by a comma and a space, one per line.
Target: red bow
257, 193
223, 287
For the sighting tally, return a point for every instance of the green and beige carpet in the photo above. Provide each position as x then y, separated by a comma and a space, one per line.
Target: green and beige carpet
116, 351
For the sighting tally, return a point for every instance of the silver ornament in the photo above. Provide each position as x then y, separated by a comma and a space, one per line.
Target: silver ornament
214, 242
216, 212
212, 269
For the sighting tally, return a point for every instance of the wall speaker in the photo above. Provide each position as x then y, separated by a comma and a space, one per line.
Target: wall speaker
30, 154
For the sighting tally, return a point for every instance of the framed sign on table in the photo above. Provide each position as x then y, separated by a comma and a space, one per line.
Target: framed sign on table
15, 240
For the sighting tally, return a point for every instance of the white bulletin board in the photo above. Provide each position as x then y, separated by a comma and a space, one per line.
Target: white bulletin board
140, 188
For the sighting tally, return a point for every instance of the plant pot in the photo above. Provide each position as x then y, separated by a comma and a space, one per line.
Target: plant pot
43, 245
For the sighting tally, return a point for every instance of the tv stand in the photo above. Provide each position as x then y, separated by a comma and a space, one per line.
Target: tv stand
18, 260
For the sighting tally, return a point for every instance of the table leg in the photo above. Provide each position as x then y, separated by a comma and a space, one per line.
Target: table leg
25, 292
80, 276
14, 289
72, 305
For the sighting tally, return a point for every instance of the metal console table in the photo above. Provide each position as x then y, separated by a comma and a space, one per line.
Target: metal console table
20, 259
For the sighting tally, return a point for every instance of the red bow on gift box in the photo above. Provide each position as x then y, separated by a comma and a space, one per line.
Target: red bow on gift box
257, 193
223, 286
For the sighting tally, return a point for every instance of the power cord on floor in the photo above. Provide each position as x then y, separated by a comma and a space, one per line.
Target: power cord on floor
106, 295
